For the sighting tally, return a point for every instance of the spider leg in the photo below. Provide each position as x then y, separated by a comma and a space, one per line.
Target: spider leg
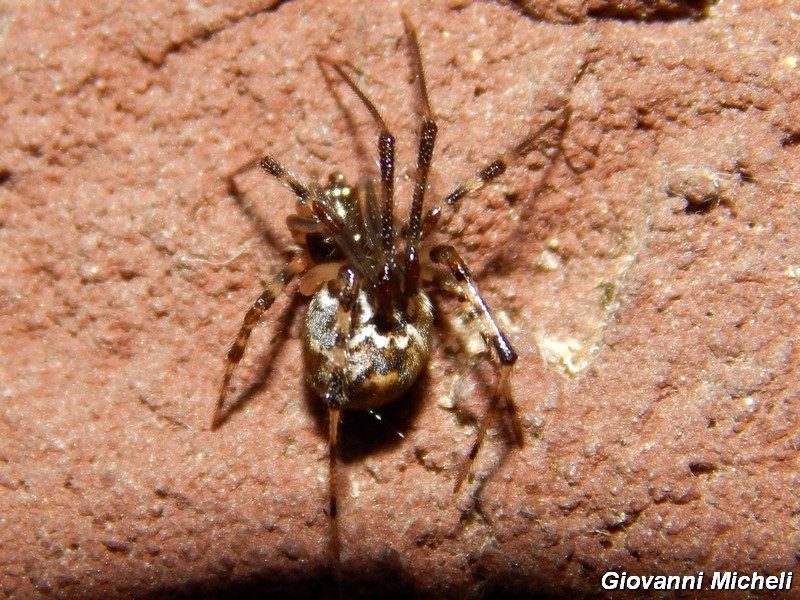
368, 206
320, 216
298, 264
503, 355
496, 167
427, 140
287, 178
386, 151
345, 288
385, 155
486, 174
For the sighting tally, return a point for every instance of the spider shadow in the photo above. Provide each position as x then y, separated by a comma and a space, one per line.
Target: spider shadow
506, 259
265, 229
364, 156
296, 582
282, 324
363, 433
486, 380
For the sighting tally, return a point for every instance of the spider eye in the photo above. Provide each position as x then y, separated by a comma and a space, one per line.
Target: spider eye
339, 192
337, 186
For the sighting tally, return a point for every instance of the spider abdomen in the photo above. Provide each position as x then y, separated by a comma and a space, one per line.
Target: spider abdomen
380, 364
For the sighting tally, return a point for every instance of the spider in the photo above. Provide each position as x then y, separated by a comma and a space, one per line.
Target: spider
367, 330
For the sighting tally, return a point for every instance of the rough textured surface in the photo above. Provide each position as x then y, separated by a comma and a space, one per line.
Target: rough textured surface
652, 262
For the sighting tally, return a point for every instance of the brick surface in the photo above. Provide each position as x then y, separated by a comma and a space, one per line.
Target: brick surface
646, 270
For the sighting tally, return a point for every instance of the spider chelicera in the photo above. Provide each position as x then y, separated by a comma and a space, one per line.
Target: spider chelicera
367, 330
